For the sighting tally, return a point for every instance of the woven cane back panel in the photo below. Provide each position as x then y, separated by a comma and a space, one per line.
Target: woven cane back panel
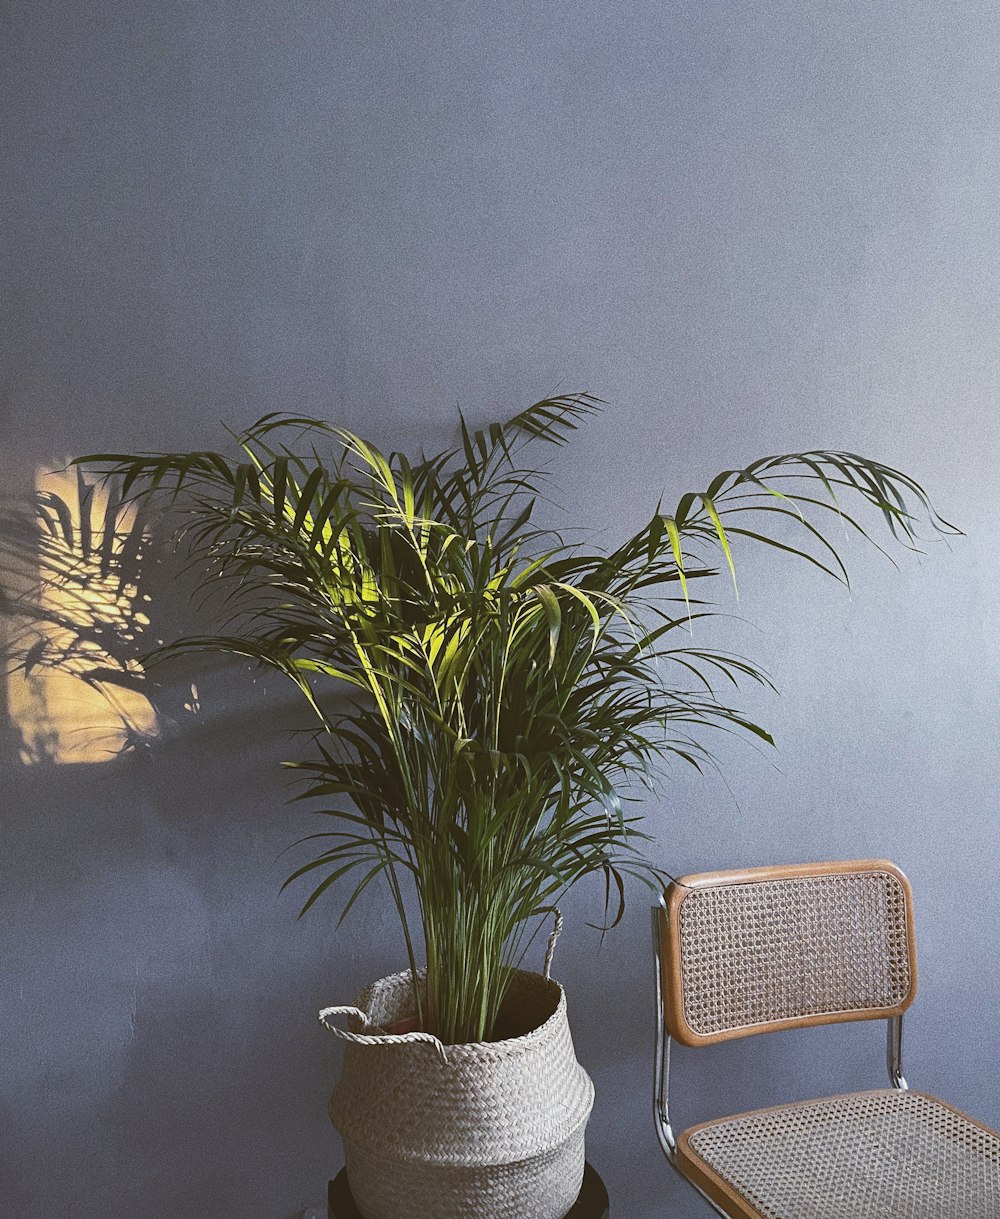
871, 1155
769, 951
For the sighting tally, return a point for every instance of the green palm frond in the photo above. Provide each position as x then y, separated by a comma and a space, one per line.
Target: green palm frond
510, 697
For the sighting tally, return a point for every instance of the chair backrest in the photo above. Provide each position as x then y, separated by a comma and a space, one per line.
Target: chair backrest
765, 949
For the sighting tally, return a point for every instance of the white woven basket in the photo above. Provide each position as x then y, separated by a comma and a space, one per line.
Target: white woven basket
492, 1130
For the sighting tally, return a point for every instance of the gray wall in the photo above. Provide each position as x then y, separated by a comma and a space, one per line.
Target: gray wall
752, 227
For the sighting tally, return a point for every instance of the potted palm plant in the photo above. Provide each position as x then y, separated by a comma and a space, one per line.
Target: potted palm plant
508, 696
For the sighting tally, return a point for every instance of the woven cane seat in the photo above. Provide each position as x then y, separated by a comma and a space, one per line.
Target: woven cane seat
867, 1155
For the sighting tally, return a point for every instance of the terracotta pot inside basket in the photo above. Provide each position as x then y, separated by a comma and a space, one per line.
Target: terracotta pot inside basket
514, 1020
408, 1024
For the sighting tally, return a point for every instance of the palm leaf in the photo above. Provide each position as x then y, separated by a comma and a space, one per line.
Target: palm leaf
509, 696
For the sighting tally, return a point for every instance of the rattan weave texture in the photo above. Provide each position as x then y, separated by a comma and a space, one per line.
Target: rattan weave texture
868, 1155
496, 1191
755, 954
492, 1130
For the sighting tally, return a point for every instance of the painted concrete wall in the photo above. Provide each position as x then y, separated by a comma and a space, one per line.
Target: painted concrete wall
751, 227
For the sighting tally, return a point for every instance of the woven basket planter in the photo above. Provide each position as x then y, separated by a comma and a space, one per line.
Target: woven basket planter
492, 1130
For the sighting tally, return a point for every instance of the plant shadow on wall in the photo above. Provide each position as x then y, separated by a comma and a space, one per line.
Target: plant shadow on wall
108, 846
511, 693
81, 602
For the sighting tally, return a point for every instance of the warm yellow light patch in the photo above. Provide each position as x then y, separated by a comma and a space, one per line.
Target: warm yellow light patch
77, 701
62, 719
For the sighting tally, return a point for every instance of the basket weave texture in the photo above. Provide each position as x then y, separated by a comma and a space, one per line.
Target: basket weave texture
867, 1155
754, 954
492, 1130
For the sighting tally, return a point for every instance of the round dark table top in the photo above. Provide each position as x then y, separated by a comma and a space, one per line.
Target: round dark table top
591, 1204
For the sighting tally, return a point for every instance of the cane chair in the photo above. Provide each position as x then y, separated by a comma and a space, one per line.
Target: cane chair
756, 951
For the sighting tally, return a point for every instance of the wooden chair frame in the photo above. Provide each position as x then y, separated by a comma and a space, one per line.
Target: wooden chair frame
672, 1022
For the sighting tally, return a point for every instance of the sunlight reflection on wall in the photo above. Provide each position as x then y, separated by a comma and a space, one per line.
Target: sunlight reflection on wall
76, 625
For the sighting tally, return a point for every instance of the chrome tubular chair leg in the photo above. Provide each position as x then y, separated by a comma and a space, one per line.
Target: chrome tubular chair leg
894, 1052
661, 1076
661, 1058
